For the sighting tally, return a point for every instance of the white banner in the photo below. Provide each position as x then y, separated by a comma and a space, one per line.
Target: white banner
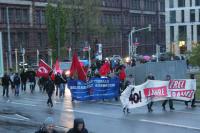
156, 90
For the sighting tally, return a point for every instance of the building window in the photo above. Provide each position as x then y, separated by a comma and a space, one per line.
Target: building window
198, 33
135, 4
182, 33
192, 15
171, 3
197, 2
172, 16
190, 2
182, 16
192, 30
25, 16
3, 15
181, 3
171, 33
18, 16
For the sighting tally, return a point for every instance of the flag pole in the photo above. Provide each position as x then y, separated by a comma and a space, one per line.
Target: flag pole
89, 56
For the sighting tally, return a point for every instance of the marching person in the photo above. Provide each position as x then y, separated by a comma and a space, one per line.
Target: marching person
48, 126
57, 82
192, 76
5, 83
32, 81
79, 126
17, 84
23, 80
168, 77
62, 86
49, 87
149, 105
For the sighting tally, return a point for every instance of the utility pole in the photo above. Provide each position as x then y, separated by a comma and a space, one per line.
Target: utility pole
16, 61
9, 45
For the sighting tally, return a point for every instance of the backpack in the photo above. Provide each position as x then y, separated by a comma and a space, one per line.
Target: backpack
16, 80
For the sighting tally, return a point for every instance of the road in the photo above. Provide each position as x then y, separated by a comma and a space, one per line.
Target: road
25, 113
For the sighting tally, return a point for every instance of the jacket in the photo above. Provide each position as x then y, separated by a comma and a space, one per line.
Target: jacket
75, 128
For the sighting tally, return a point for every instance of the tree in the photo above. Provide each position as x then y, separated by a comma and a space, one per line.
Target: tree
84, 21
195, 56
56, 21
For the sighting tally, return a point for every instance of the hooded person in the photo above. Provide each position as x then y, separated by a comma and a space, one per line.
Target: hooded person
79, 126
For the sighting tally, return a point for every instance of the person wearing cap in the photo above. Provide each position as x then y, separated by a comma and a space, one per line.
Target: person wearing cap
79, 126
48, 126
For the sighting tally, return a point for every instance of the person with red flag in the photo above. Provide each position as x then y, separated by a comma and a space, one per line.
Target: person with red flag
77, 70
43, 70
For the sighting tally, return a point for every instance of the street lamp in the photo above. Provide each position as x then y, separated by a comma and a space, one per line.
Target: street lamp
131, 46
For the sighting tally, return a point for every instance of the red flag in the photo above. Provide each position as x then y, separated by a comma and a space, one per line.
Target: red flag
77, 69
105, 69
57, 67
122, 74
43, 70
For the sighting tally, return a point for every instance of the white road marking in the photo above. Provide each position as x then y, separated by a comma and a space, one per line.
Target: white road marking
169, 124
25, 118
23, 104
11, 118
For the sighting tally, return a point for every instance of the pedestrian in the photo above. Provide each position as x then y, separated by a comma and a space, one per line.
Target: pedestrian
149, 105
48, 126
17, 84
5, 83
192, 76
79, 126
32, 81
62, 87
12, 75
41, 83
49, 87
23, 77
168, 77
57, 82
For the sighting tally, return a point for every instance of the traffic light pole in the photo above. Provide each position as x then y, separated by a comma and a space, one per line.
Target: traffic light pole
133, 48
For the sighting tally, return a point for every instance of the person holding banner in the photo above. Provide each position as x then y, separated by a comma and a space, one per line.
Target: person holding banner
149, 105
168, 77
192, 76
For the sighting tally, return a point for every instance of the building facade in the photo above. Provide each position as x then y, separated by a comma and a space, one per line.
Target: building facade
28, 29
182, 25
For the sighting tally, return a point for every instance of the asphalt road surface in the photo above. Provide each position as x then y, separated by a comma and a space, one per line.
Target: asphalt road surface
24, 114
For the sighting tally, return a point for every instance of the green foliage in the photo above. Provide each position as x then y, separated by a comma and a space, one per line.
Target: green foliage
56, 21
195, 56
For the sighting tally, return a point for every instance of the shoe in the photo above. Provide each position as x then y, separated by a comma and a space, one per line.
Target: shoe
172, 108
124, 109
193, 106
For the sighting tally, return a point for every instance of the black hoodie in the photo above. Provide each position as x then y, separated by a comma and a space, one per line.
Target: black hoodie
75, 128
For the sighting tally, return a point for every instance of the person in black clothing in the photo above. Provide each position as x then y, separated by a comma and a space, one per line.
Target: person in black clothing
17, 84
32, 81
149, 105
79, 126
57, 82
168, 77
23, 80
192, 76
5, 83
49, 87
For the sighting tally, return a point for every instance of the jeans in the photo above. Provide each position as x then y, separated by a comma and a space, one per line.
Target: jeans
170, 103
5, 90
57, 88
23, 86
17, 90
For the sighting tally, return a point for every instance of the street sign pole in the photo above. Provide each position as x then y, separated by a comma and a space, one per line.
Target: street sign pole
16, 61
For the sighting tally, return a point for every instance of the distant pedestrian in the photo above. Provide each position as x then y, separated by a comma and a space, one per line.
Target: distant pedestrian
79, 126
192, 76
23, 77
149, 105
17, 84
57, 82
49, 87
32, 81
168, 77
12, 75
62, 86
5, 83
48, 126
